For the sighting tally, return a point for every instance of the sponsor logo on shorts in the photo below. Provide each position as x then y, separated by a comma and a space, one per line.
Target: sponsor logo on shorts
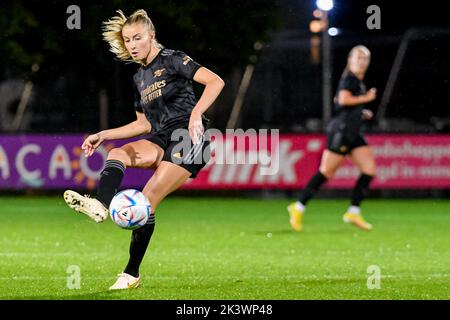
177, 155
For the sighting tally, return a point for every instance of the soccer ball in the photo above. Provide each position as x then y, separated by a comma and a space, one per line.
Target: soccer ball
130, 209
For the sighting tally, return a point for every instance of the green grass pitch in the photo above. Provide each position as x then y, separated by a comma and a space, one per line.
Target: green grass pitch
224, 248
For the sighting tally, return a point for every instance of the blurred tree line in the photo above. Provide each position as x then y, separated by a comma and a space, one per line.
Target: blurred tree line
75, 65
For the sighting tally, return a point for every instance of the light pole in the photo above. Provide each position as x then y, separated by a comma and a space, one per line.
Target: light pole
325, 6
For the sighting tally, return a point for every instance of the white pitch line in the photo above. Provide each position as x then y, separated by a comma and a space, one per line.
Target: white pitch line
21, 254
231, 278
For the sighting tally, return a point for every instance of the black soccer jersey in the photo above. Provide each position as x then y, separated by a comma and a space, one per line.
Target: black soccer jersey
163, 89
350, 117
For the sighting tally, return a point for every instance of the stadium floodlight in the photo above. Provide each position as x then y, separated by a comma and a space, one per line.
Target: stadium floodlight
333, 31
324, 5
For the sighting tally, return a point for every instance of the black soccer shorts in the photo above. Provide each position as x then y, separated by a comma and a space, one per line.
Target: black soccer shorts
344, 144
179, 149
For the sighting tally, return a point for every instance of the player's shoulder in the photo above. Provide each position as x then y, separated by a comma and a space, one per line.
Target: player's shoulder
172, 53
349, 79
174, 58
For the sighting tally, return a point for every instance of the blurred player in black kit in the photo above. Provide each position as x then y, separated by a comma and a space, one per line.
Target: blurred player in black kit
344, 138
164, 104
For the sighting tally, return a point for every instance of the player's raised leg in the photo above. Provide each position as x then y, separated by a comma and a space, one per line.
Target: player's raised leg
137, 154
167, 178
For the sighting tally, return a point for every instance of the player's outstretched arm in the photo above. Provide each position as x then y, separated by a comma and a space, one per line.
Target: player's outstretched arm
136, 128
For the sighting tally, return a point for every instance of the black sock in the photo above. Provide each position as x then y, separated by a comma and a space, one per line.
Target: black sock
110, 180
140, 239
311, 188
361, 189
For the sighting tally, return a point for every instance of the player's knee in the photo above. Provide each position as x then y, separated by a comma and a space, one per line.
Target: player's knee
371, 171
327, 172
152, 158
119, 154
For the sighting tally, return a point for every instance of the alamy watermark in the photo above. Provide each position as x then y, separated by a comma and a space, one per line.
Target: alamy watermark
374, 277
74, 277
235, 147
74, 20
374, 20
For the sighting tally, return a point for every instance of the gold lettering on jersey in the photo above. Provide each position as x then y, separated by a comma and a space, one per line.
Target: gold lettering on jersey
186, 60
153, 95
159, 72
152, 91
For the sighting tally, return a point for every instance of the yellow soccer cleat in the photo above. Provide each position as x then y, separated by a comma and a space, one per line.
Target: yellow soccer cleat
295, 217
357, 220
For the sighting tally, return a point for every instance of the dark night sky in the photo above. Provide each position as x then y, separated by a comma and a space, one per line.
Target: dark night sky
396, 16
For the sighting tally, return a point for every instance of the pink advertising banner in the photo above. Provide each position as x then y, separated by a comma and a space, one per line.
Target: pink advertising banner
260, 161
403, 161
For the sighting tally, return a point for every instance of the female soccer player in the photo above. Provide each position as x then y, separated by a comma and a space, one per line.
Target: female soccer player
164, 103
344, 138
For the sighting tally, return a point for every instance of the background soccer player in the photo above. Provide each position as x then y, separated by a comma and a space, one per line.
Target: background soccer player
164, 102
344, 138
